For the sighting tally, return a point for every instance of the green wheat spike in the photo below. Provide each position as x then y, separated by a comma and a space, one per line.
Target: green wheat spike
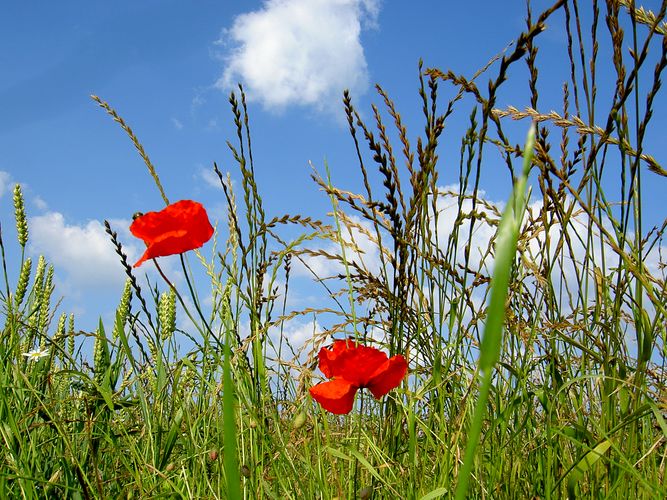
167, 314
21, 219
100, 355
34, 310
70, 335
187, 381
148, 373
123, 309
59, 337
39, 275
45, 300
127, 379
22, 285
152, 348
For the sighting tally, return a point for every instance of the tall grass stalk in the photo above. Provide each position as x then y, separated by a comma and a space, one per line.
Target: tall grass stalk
505, 256
542, 379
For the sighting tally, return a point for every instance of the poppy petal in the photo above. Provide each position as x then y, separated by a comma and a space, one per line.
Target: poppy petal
358, 365
335, 396
388, 376
328, 356
168, 244
180, 227
153, 224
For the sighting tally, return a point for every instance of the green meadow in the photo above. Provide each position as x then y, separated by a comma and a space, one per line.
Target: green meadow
536, 359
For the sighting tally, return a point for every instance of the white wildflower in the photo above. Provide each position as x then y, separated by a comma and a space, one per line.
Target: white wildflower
35, 354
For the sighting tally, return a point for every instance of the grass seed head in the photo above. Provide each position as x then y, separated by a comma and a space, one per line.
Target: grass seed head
21, 219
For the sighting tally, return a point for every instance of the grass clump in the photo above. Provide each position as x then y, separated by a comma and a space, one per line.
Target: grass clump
534, 330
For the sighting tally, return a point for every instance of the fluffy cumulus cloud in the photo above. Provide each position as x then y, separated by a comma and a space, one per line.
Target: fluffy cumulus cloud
452, 227
303, 52
298, 333
483, 232
84, 257
84, 252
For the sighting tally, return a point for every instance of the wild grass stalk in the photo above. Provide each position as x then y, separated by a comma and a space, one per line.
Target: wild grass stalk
536, 339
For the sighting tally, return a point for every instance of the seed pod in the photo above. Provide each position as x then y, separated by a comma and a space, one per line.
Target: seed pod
365, 493
299, 420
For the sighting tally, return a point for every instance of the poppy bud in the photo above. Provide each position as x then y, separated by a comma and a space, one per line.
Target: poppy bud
299, 420
245, 470
365, 493
213, 455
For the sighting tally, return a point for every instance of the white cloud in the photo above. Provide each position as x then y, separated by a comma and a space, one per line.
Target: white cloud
84, 252
5, 181
360, 248
209, 177
302, 52
39, 203
178, 125
483, 232
197, 102
297, 332
7, 184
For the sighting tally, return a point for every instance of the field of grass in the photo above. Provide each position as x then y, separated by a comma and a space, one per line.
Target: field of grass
536, 360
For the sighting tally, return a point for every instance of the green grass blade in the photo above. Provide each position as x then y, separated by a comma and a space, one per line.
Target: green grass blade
229, 422
506, 244
585, 464
436, 493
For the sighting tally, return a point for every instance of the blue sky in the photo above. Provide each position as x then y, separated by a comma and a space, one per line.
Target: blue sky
167, 66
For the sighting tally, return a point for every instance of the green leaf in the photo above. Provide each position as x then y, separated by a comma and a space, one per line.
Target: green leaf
229, 423
585, 464
506, 245
337, 453
171, 439
436, 493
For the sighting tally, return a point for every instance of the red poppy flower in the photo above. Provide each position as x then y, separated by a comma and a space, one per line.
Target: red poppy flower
350, 367
180, 227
